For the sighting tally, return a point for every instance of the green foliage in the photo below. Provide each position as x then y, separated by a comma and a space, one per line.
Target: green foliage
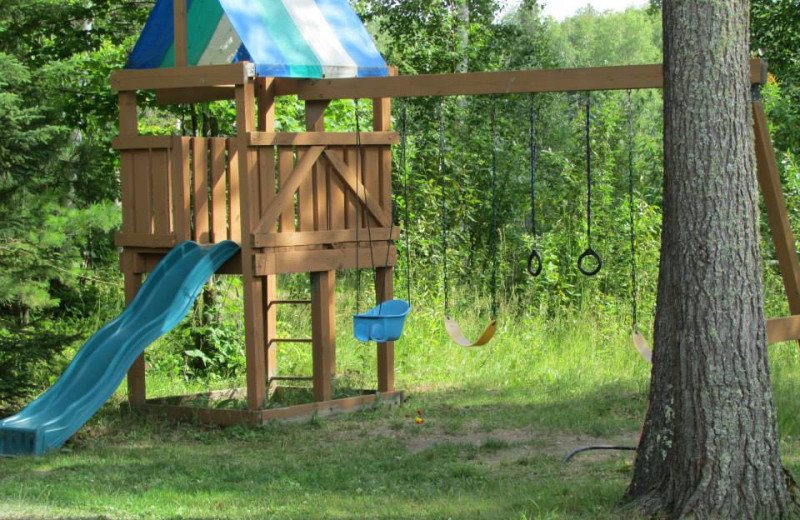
58, 176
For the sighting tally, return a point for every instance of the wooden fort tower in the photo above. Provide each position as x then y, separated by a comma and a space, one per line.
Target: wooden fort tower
293, 201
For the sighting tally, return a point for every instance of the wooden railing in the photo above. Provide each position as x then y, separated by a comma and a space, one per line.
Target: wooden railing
319, 204
178, 188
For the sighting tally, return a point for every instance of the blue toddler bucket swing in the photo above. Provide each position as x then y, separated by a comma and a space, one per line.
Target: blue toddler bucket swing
385, 321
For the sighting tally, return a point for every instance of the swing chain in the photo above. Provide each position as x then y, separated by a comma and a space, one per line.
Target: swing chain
363, 213
442, 178
589, 253
494, 207
406, 218
534, 259
632, 211
358, 224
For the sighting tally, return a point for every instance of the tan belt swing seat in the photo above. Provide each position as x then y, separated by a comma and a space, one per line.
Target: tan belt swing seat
454, 331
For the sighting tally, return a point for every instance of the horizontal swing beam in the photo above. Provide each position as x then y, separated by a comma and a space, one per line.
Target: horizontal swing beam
500, 82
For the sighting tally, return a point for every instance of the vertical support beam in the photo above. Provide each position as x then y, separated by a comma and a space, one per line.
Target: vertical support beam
128, 126
137, 389
179, 24
770, 182
254, 302
128, 114
384, 290
323, 288
384, 276
323, 305
265, 93
382, 122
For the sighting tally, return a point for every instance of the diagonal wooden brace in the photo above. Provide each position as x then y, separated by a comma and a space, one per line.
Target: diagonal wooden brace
350, 178
770, 181
285, 195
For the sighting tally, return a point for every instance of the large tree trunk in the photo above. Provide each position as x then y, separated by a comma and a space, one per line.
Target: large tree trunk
710, 443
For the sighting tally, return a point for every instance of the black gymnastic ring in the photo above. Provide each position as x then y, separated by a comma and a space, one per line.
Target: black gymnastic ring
534, 257
589, 253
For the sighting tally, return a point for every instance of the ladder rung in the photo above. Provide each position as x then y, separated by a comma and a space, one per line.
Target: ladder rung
291, 378
290, 340
290, 302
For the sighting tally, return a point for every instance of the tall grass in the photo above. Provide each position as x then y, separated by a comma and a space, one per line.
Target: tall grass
498, 419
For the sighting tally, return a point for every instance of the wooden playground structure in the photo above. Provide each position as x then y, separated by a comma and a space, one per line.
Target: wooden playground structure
211, 189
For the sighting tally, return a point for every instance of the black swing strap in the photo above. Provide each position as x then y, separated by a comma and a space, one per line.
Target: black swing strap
589, 252
639, 342
406, 218
494, 232
363, 214
534, 258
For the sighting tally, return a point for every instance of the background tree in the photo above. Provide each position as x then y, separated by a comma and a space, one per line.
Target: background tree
710, 443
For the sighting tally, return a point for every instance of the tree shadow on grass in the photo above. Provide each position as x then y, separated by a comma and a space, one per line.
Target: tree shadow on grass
481, 452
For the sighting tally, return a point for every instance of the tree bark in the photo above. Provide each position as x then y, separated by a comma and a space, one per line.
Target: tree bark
709, 448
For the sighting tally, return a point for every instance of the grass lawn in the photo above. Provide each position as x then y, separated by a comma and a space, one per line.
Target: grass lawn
498, 421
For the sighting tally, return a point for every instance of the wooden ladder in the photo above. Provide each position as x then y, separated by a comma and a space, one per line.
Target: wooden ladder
274, 341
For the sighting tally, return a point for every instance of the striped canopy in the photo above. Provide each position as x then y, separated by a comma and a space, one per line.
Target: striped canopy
284, 38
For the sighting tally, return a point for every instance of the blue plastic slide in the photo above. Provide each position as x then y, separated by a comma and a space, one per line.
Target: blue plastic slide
101, 364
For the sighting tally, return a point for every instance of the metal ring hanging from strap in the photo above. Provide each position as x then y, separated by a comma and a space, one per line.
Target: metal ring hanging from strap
534, 259
589, 252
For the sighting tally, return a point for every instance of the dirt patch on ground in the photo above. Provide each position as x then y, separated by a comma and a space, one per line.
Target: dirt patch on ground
499, 444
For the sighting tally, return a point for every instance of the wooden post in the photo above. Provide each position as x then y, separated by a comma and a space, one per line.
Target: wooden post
129, 126
265, 94
265, 91
137, 389
254, 300
384, 290
384, 280
179, 24
770, 181
323, 336
323, 287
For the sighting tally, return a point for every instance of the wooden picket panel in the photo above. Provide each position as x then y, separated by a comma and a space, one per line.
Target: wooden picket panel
219, 188
159, 163
181, 201
285, 167
336, 198
188, 188
234, 193
327, 197
143, 207
370, 173
200, 190
352, 220
127, 181
266, 175
305, 198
